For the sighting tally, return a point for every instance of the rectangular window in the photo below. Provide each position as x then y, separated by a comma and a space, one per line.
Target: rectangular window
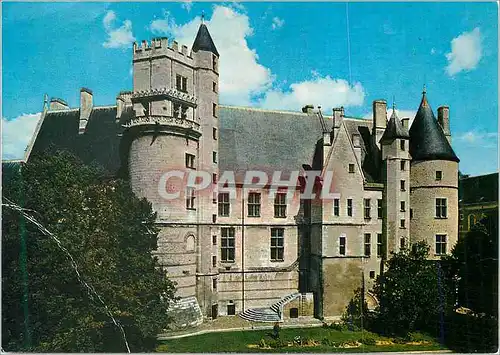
214, 260
411, 213
439, 175
214, 240
189, 161
214, 178
349, 207
214, 284
214, 197
351, 168
214, 110
368, 245
367, 208
227, 245
214, 62
403, 186
441, 210
224, 204
402, 224
379, 209
372, 274
379, 245
440, 244
214, 157
403, 206
214, 133
402, 144
181, 83
403, 165
177, 110
277, 244
342, 245
190, 198
254, 204
231, 310
214, 86
280, 205
402, 243
214, 218
336, 207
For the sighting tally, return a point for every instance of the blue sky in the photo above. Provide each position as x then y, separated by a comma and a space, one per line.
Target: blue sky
273, 55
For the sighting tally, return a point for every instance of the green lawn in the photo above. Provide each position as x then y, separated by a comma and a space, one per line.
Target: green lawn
239, 341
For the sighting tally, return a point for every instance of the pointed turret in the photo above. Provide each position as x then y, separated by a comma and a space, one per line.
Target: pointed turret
395, 129
427, 139
203, 41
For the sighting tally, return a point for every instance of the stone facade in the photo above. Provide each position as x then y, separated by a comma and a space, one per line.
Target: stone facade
226, 259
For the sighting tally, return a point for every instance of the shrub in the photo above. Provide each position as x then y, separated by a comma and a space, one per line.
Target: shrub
278, 343
262, 343
399, 340
162, 348
368, 340
338, 327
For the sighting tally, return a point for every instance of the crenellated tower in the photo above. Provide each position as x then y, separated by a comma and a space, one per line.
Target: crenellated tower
174, 131
396, 177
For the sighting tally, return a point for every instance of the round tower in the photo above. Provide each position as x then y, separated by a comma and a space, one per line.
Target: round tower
434, 184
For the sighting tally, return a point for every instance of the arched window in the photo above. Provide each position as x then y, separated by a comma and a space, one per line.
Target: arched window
190, 241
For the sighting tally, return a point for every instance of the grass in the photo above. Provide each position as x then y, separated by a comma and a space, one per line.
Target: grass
238, 341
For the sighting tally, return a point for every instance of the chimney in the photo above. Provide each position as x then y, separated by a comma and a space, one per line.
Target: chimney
379, 120
338, 114
406, 122
58, 105
184, 50
86, 106
308, 109
175, 46
444, 121
120, 105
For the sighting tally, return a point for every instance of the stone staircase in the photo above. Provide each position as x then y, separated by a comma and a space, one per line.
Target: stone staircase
185, 313
268, 315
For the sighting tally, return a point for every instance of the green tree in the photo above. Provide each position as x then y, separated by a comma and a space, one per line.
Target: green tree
111, 236
411, 292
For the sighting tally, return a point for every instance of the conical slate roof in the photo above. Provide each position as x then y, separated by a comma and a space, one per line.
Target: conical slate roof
203, 41
427, 139
394, 129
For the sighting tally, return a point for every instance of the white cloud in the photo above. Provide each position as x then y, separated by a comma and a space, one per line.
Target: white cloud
474, 137
118, 37
433, 51
243, 80
466, 52
16, 135
187, 5
319, 91
277, 23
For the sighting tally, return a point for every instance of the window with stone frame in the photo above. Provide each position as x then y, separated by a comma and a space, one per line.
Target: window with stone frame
349, 207
214, 240
351, 168
214, 284
214, 157
184, 110
181, 83
227, 245
336, 207
342, 245
403, 206
214, 62
440, 244
368, 245
190, 161
402, 144
402, 165
254, 204
277, 244
176, 110
402, 224
439, 175
214, 86
214, 133
190, 198
380, 211
280, 205
441, 208
402, 243
214, 109
379, 245
403, 185
224, 205
214, 260
367, 208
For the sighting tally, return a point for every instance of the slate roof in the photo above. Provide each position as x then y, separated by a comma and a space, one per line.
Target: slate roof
394, 129
478, 189
427, 139
203, 41
249, 139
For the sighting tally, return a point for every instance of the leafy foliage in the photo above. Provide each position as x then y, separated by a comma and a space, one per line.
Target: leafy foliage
110, 234
356, 314
411, 292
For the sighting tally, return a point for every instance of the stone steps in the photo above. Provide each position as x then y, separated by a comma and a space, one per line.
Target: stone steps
185, 313
265, 315
278, 306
